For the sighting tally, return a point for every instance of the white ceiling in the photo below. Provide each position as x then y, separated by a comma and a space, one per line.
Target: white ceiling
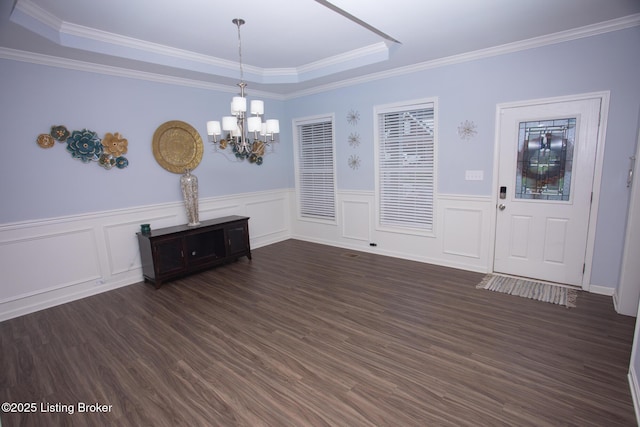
292, 46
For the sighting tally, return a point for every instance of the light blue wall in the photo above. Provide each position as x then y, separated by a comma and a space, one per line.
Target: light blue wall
38, 183
471, 91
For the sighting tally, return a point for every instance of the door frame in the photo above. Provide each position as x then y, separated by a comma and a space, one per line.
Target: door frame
597, 176
627, 294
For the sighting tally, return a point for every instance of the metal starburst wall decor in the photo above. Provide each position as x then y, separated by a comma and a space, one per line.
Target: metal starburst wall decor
354, 139
353, 117
467, 130
354, 162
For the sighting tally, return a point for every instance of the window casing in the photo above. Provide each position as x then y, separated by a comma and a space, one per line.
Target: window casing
405, 153
314, 151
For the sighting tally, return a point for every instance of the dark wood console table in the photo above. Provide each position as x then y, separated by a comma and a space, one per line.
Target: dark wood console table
168, 253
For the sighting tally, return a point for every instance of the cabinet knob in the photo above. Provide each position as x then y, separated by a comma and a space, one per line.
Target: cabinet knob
193, 253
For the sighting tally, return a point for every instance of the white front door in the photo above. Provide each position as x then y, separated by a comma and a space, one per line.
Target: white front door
546, 167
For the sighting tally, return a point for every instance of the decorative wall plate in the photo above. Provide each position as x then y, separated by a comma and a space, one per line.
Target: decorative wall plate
45, 141
177, 146
85, 145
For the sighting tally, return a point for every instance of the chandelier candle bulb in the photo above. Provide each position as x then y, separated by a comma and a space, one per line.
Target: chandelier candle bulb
238, 104
255, 124
273, 126
229, 123
213, 128
257, 107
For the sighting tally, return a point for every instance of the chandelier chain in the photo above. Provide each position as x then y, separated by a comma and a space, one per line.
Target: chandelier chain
239, 23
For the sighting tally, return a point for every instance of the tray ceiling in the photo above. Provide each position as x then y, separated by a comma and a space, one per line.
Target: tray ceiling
292, 46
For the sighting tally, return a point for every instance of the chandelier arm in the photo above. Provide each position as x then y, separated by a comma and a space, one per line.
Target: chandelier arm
245, 123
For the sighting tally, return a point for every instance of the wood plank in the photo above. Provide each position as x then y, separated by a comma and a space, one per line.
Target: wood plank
306, 334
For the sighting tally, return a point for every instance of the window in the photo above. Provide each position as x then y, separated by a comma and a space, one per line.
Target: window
545, 159
315, 168
405, 166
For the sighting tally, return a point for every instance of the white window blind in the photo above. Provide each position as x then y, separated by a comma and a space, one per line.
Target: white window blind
316, 172
406, 151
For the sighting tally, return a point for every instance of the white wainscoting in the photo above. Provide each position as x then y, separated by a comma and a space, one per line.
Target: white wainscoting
53, 261
460, 240
634, 386
634, 364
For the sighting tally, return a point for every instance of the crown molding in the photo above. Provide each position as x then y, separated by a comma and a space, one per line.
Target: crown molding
34, 18
118, 41
72, 64
560, 37
375, 49
564, 36
91, 39
34, 11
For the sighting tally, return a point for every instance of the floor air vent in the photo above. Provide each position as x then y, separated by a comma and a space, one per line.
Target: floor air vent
350, 255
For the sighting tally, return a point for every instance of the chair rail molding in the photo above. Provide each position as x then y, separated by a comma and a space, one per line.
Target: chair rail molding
100, 249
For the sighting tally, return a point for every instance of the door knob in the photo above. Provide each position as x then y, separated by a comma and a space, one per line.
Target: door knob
501, 206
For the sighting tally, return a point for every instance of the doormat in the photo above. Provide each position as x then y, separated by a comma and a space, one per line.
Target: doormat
538, 291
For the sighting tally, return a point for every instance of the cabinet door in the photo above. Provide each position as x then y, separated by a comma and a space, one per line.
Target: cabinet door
169, 256
238, 239
205, 246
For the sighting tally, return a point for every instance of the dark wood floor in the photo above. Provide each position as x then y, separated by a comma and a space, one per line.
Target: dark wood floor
310, 335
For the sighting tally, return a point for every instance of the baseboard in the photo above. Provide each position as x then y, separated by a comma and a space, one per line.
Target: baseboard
602, 290
101, 250
376, 250
41, 301
635, 391
44, 300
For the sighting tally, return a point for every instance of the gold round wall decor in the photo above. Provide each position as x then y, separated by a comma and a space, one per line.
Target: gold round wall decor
177, 146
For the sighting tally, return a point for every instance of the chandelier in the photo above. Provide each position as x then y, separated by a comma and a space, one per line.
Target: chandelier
239, 124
